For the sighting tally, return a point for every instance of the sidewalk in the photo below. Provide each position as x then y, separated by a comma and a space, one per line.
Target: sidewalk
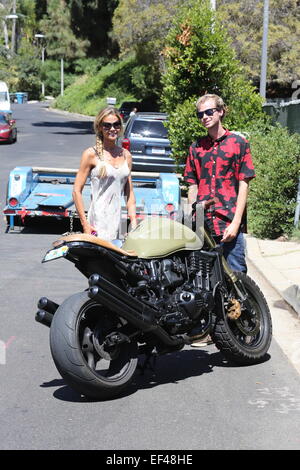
279, 263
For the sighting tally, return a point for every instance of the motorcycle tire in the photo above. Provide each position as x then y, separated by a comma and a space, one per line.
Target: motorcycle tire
78, 330
247, 339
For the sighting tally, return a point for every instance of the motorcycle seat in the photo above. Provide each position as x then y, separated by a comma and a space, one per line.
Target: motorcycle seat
84, 237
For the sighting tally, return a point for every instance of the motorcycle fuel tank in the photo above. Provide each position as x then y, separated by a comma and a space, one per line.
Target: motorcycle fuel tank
156, 237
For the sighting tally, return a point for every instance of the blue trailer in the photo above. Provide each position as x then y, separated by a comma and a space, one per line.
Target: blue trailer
47, 192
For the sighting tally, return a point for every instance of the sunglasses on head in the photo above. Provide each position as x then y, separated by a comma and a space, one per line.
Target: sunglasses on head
108, 125
208, 112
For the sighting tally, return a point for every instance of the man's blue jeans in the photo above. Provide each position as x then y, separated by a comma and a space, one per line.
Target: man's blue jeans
234, 253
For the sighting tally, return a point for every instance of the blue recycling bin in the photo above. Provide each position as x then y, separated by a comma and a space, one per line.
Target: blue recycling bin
20, 97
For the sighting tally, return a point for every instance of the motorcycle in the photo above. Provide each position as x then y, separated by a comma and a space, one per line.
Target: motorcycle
167, 286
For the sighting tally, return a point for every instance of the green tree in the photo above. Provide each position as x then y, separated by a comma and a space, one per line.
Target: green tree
92, 20
200, 59
140, 28
61, 41
244, 23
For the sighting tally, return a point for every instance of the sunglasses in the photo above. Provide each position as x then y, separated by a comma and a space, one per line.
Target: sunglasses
208, 112
108, 125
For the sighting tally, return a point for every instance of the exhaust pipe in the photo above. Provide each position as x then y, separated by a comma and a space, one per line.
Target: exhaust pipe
47, 309
48, 305
44, 317
136, 312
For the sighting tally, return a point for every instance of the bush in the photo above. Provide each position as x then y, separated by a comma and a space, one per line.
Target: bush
200, 59
273, 193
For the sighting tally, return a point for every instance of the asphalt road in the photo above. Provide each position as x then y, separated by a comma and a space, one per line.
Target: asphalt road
193, 400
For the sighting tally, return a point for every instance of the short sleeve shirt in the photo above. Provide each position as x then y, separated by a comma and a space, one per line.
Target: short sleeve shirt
217, 167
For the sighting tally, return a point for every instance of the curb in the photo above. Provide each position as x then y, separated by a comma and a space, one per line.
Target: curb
286, 288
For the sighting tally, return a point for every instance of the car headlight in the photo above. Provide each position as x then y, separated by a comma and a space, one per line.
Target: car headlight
3, 131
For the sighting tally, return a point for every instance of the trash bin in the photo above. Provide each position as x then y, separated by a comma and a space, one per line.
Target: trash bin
20, 97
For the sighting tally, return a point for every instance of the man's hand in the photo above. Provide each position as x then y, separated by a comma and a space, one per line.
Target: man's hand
230, 232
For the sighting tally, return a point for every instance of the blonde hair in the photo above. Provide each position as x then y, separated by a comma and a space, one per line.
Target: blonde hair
103, 113
220, 105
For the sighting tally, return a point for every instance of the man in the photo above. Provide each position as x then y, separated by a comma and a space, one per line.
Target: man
219, 167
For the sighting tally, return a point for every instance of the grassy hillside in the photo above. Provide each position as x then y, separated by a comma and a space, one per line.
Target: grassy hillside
88, 94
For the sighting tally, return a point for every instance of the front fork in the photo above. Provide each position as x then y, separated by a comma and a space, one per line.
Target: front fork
236, 283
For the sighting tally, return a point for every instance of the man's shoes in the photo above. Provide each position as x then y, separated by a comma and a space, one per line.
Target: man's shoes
202, 342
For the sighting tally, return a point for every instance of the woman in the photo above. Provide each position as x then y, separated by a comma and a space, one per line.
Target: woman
109, 168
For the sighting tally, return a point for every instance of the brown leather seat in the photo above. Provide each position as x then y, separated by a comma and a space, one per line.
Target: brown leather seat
84, 237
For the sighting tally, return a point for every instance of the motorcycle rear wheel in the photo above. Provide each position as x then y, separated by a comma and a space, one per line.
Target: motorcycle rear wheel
77, 334
246, 340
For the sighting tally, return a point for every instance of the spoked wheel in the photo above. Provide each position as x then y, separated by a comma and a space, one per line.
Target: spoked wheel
83, 347
243, 331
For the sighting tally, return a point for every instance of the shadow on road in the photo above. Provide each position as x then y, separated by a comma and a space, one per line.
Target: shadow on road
82, 127
169, 369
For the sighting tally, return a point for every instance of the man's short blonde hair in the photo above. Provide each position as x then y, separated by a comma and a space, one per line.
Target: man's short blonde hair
219, 103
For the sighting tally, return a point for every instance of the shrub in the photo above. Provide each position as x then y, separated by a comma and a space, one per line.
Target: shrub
273, 193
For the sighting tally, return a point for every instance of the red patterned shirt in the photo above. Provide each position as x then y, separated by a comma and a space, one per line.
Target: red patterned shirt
217, 167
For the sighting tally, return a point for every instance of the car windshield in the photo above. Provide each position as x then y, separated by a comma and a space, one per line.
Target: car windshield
3, 120
153, 129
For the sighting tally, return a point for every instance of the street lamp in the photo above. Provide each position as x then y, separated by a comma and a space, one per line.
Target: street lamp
41, 36
13, 17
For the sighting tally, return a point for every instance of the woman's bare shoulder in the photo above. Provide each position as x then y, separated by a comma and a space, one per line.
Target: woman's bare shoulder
90, 151
127, 154
88, 158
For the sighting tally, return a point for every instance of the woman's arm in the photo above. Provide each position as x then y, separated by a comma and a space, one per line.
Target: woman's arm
80, 180
129, 193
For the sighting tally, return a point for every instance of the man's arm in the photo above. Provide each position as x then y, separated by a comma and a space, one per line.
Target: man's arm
232, 230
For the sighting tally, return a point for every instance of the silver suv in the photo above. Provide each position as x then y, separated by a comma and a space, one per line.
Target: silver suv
146, 138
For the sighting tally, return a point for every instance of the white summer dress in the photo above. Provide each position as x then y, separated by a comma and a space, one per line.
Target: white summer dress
106, 203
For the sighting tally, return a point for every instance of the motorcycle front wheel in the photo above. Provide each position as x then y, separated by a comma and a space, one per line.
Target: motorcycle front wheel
246, 339
81, 353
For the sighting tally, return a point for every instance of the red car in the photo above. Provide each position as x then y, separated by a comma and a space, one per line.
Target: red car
8, 129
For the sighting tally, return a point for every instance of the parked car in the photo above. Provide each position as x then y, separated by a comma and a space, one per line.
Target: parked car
126, 108
146, 137
8, 128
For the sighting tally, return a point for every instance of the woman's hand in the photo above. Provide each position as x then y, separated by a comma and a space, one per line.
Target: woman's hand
88, 228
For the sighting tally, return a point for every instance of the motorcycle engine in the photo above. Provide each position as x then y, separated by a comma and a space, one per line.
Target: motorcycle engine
179, 287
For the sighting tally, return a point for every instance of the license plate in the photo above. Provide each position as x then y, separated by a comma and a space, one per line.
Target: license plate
158, 150
56, 253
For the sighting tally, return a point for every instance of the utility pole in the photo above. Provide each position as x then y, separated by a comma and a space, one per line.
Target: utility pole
62, 76
13, 31
41, 37
264, 51
213, 4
